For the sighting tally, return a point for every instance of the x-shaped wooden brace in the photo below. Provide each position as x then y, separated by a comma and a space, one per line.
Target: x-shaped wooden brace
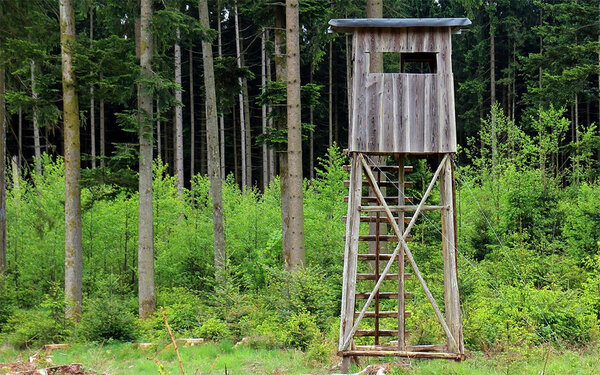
401, 243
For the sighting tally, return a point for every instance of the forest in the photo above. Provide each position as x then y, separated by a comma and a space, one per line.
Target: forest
176, 168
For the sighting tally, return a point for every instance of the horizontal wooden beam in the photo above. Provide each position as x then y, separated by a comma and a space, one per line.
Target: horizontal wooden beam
375, 219
386, 183
387, 168
410, 208
371, 276
374, 257
401, 353
383, 295
390, 199
381, 332
382, 314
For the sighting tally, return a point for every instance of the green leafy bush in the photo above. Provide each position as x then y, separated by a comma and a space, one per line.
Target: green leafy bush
213, 329
107, 319
301, 331
29, 328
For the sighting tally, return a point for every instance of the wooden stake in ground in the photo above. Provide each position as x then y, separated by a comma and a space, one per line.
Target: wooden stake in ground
162, 311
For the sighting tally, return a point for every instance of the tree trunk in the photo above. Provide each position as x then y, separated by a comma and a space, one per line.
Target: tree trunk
192, 113
102, 131
272, 171
212, 140
295, 258
2, 175
147, 302
73, 254
92, 104
248, 132
178, 136
311, 120
493, 98
221, 116
20, 138
263, 81
36, 130
280, 75
158, 135
238, 53
331, 93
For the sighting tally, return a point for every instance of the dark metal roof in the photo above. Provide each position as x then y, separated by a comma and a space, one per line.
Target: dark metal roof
344, 25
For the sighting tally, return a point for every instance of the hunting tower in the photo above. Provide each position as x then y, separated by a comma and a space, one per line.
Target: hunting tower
401, 107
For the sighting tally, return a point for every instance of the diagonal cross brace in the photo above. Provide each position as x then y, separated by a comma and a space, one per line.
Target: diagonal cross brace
401, 243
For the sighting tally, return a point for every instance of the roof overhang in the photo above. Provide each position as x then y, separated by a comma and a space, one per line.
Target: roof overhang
348, 25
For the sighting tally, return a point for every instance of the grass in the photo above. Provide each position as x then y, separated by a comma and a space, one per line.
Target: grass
213, 358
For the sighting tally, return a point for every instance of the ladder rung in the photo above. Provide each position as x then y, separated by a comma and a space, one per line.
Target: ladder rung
373, 257
381, 332
375, 219
384, 183
383, 295
389, 200
382, 314
386, 168
382, 238
372, 276
400, 208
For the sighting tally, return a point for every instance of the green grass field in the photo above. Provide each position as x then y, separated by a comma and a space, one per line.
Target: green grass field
122, 358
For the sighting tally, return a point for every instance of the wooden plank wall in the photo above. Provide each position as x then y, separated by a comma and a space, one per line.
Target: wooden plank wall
400, 112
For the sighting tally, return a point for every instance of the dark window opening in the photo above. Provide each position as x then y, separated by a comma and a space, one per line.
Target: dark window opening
403, 62
418, 62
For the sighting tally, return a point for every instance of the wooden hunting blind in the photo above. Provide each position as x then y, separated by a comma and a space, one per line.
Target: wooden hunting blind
401, 96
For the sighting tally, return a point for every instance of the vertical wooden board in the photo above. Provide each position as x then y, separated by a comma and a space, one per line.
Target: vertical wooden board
398, 109
404, 90
443, 39
430, 44
433, 122
358, 134
445, 111
416, 91
373, 108
451, 116
427, 113
400, 41
401, 285
388, 118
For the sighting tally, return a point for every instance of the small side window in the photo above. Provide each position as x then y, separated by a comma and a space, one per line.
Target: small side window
403, 62
418, 62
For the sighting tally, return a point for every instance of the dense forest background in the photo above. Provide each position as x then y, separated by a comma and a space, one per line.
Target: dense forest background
527, 104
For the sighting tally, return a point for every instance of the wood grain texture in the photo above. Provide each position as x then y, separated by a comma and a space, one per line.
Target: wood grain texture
402, 112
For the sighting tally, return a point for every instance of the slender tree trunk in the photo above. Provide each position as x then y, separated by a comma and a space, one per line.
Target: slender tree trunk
192, 113
212, 141
281, 75
92, 104
102, 131
311, 120
20, 138
295, 258
146, 295
331, 93
238, 52
178, 137
2, 175
158, 134
263, 81
73, 252
236, 167
248, 132
221, 116
272, 170
493, 98
36, 129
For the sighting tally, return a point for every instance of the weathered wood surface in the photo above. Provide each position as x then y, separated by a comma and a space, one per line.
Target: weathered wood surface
351, 251
401, 353
402, 112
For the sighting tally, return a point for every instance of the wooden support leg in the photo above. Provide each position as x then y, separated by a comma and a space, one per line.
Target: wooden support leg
351, 253
451, 296
401, 288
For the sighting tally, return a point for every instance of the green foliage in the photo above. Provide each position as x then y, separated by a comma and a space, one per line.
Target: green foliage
301, 330
213, 329
108, 319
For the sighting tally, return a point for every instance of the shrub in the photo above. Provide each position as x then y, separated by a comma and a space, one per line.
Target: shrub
26, 328
108, 319
213, 329
301, 330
